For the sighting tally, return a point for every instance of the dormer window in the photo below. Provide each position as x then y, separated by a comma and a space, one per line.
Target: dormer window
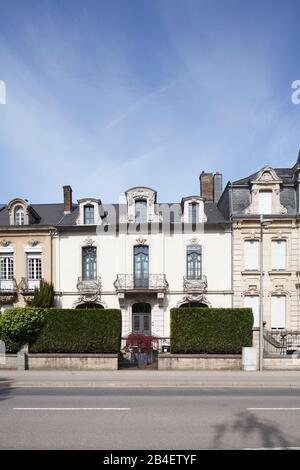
89, 215
193, 212
141, 211
19, 216
265, 202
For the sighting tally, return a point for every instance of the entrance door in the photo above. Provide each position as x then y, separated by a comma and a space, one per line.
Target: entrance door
141, 266
141, 318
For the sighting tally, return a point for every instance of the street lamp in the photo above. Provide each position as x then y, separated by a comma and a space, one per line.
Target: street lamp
263, 223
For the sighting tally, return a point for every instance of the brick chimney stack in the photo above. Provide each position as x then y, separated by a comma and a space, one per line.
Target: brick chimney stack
68, 205
206, 186
211, 186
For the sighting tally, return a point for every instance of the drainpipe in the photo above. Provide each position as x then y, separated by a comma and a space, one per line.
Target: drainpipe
232, 244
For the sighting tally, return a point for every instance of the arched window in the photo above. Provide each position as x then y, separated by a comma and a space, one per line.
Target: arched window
89, 217
141, 266
19, 216
193, 304
193, 261
89, 263
141, 211
89, 305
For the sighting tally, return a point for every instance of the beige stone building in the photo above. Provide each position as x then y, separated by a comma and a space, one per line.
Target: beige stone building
264, 209
26, 249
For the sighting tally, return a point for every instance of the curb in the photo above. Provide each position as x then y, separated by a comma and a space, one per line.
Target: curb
126, 385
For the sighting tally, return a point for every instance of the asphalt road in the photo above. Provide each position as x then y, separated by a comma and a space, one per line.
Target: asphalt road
78, 418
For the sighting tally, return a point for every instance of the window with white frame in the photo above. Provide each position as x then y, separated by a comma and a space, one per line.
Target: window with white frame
278, 252
34, 267
141, 211
252, 301
19, 216
6, 272
251, 255
278, 312
89, 216
6, 267
193, 212
265, 202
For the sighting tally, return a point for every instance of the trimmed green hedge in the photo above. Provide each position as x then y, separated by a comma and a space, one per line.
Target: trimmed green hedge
210, 330
79, 331
19, 326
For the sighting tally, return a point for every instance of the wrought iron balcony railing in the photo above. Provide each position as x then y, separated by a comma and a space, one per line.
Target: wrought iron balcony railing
29, 285
132, 282
8, 286
281, 342
89, 285
194, 285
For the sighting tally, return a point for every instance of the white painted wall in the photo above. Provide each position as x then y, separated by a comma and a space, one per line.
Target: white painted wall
167, 255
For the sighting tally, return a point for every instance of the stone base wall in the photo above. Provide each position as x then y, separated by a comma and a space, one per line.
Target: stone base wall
282, 363
199, 362
9, 362
65, 361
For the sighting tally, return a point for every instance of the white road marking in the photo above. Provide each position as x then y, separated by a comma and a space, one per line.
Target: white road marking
274, 409
271, 448
72, 409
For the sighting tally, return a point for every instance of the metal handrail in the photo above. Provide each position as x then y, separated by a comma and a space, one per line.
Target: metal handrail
130, 282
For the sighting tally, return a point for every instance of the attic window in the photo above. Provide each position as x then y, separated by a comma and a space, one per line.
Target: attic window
19, 216
89, 215
265, 202
193, 212
141, 211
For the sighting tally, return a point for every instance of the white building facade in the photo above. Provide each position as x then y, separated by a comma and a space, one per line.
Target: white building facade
144, 257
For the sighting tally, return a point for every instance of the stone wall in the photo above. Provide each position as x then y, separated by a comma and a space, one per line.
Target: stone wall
65, 361
199, 362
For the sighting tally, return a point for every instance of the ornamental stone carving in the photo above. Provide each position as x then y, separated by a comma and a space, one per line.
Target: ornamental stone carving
33, 242
5, 243
88, 242
200, 298
141, 240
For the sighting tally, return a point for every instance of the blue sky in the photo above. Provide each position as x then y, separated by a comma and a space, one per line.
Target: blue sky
109, 94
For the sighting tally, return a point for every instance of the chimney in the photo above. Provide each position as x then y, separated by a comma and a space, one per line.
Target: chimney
218, 186
68, 206
206, 186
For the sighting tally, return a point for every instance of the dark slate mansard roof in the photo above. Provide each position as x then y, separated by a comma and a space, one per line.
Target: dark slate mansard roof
53, 214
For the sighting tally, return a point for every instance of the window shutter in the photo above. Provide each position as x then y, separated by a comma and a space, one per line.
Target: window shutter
278, 312
251, 301
278, 254
251, 254
265, 202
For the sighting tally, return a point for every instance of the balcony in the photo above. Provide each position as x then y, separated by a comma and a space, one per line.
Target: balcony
27, 286
88, 286
129, 284
195, 285
154, 282
8, 286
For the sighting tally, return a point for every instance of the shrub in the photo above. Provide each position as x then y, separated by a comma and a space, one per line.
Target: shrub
79, 331
20, 325
210, 330
44, 295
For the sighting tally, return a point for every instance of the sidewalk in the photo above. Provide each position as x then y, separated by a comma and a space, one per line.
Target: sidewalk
150, 379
